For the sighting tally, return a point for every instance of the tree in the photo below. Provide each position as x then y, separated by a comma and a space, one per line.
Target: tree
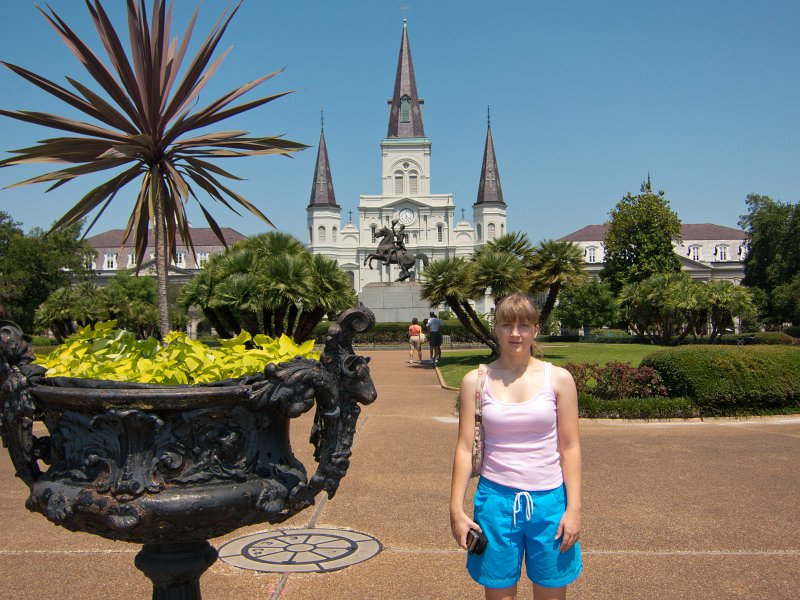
786, 301
33, 266
268, 284
589, 305
773, 257
145, 124
726, 302
553, 266
639, 239
450, 281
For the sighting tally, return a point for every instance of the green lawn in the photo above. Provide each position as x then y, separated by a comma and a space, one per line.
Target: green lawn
454, 364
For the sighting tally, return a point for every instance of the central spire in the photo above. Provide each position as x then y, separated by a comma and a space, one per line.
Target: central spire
405, 114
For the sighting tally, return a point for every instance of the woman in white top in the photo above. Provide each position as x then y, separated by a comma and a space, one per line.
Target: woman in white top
528, 499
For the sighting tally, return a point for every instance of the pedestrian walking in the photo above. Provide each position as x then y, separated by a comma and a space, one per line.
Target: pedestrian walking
415, 339
435, 326
528, 499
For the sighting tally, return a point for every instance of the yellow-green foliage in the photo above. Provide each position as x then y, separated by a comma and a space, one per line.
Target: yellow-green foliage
115, 354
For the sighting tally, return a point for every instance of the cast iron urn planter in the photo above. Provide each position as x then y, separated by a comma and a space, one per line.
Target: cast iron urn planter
171, 467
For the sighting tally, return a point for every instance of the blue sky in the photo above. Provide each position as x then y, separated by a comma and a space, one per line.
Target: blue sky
587, 98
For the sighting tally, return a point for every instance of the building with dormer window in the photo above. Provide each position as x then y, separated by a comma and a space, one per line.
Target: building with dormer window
706, 251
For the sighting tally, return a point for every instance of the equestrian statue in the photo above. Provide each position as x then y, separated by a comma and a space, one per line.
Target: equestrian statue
392, 251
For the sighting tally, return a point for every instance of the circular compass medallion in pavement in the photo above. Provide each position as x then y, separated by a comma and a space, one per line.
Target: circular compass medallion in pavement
300, 550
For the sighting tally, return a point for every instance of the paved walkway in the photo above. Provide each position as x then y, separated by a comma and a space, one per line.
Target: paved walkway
698, 510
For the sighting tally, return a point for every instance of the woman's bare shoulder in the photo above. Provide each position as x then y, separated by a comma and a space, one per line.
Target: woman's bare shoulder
562, 377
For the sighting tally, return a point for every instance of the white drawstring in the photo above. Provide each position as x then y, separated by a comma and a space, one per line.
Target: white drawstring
518, 506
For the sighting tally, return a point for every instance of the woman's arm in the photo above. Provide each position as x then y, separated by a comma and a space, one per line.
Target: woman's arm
569, 443
460, 522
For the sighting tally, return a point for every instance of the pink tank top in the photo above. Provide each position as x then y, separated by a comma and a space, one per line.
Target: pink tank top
521, 440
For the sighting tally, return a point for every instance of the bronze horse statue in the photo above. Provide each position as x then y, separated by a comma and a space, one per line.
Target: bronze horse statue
388, 254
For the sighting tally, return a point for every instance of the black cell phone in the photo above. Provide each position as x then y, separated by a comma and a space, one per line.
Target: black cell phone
476, 541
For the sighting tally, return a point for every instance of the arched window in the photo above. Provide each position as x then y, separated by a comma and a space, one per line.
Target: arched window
502, 229
413, 182
180, 259
372, 229
334, 231
110, 262
591, 254
694, 252
310, 235
321, 233
721, 252
202, 259
490, 231
131, 260
352, 277
439, 232
398, 183
478, 227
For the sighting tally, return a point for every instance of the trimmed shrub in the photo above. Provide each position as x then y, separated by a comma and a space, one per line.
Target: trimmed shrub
616, 380
591, 407
771, 338
722, 380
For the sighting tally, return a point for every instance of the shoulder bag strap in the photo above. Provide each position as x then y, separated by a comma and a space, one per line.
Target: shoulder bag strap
479, 393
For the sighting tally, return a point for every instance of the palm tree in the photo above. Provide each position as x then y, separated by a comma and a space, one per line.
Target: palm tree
727, 301
498, 270
450, 281
555, 264
329, 292
147, 127
515, 243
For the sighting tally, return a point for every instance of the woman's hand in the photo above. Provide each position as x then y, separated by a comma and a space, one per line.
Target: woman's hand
460, 524
569, 530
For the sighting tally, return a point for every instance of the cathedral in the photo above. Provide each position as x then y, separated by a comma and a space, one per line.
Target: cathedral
427, 220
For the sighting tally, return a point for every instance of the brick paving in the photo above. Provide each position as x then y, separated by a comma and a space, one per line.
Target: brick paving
680, 509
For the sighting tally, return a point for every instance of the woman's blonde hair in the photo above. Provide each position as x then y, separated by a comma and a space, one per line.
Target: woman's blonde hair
518, 308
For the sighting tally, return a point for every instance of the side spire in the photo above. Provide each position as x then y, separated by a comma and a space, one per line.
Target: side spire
322, 188
489, 189
405, 113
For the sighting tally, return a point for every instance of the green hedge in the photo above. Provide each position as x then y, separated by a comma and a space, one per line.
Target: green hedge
727, 380
592, 407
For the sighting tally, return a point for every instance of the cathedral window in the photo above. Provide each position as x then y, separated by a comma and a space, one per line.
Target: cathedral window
334, 231
321, 233
352, 277
439, 233
490, 231
479, 230
413, 183
110, 262
372, 229
310, 235
405, 109
398, 183
502, 229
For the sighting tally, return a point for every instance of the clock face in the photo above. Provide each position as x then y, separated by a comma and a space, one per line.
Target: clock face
406, 216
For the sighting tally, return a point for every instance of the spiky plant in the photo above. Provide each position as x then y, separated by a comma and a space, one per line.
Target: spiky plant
145, 131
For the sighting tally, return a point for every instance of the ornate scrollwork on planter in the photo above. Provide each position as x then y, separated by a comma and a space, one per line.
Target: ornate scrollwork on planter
161, 465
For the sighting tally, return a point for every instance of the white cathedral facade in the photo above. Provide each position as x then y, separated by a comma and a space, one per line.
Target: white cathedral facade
406, 198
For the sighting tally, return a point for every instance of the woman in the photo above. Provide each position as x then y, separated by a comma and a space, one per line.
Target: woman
528, 498
415, 340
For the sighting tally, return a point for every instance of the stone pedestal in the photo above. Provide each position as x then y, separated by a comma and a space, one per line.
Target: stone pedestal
395, 302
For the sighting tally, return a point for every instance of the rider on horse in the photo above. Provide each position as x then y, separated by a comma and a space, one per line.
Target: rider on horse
399, 249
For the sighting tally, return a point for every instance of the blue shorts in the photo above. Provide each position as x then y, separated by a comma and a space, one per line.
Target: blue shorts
500, 565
